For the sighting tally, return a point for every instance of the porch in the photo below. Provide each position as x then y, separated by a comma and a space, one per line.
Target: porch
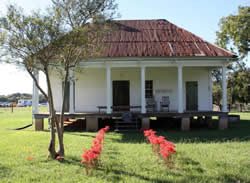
94, 121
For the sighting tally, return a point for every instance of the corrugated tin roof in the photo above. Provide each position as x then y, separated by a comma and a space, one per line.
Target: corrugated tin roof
156, 38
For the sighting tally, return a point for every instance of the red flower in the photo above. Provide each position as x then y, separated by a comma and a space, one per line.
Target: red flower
29, 158
164, 153
90, 156
97, 149
153, 139
149, 132
160, 144
160, 140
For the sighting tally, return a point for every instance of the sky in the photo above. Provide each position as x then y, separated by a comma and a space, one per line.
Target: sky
200, 17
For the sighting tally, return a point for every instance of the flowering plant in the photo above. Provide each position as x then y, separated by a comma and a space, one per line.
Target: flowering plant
91, 156
160, 145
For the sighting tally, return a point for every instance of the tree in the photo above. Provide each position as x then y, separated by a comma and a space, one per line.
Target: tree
23, 38
238, 83
81, 40
234, 35
56, 40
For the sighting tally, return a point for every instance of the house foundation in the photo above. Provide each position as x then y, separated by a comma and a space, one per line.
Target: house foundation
145, 123
91, 123
92, 119
185, 124
39, 124
223, 122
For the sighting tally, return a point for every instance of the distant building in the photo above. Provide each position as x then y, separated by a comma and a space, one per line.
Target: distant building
24, 103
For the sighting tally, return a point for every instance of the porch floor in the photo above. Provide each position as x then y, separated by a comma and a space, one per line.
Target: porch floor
138, 114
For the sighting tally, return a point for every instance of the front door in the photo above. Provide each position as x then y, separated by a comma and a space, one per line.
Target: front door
120, 95
192, 96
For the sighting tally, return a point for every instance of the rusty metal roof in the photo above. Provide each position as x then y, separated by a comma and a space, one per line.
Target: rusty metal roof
156, 38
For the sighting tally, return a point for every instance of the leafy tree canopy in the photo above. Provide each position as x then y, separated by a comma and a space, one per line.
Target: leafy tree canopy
234, 33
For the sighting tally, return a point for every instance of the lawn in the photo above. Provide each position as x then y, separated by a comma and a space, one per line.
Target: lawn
202, 155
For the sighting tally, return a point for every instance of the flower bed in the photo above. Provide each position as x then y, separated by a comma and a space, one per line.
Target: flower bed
91, 156
162, 147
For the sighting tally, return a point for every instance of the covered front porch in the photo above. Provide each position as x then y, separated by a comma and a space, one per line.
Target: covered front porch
131, 86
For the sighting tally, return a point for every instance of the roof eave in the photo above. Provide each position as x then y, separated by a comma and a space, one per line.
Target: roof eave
194, 58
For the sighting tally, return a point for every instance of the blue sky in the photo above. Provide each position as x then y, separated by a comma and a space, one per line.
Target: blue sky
200, 17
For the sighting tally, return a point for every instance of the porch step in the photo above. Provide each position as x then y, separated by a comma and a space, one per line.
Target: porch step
126, 126
124, 130
74, 125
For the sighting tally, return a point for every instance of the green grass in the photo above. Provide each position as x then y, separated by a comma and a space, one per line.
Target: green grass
202, 155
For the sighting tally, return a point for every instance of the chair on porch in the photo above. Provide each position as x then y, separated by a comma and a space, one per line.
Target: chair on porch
127, 122
150, 104
165, 102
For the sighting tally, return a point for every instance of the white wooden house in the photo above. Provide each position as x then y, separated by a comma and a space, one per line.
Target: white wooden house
147, 59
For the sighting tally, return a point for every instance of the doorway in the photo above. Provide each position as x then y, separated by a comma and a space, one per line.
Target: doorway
192, 96
121, 95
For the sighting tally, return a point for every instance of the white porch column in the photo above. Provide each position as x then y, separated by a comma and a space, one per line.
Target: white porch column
180, 89
109, 93
210, 90
71, 93
224, 89
35, 96
143, 100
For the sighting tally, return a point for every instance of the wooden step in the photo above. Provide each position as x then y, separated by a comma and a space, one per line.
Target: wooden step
127, 130
121, 126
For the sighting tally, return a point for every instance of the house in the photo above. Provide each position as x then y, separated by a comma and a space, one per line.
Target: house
147, 59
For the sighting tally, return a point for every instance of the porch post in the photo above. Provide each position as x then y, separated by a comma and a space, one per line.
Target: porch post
224, 89
71, 92
210, 90
180, 89
35, 96
143, 100
108, 80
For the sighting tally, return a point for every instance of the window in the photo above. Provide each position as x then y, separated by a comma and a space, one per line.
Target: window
149, 88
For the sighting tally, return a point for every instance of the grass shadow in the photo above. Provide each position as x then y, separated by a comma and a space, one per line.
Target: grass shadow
236, 132
82, 134
118, 173
4, 171
190, 165
230, 178
72, 160
130, 137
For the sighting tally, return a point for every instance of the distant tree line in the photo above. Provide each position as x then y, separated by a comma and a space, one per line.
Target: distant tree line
17, 96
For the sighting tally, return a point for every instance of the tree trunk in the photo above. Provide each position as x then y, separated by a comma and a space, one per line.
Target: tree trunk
61, 150
52, 144
53, 118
